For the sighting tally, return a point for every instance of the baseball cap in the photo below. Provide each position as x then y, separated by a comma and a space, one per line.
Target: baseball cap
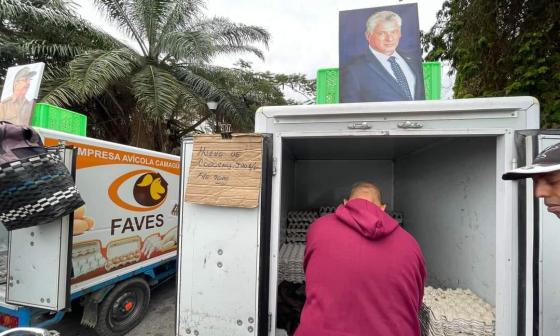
24, 72
547, 161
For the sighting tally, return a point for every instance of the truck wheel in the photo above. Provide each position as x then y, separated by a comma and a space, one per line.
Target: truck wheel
123, 308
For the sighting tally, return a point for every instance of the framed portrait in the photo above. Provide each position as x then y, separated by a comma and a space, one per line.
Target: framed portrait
380, 57
21, 89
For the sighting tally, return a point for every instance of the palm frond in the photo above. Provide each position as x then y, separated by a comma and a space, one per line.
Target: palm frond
13, 9
230, 50
56, 17
180, 13
58, 89
94, 71
150, 16
226, 34
42, 48
191, 45
120, 12
156, 91
194, 80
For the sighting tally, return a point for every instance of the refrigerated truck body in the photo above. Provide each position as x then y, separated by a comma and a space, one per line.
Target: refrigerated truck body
123, 240
439, 163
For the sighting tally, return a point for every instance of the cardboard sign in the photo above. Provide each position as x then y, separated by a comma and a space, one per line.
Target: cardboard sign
226, 172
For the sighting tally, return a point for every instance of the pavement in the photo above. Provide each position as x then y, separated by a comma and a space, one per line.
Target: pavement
159, 321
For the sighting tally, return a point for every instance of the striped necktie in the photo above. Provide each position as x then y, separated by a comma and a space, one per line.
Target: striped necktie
401, 79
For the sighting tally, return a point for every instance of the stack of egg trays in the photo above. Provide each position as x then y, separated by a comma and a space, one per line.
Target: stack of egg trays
325, 210
298, 223
458, 312
290, 265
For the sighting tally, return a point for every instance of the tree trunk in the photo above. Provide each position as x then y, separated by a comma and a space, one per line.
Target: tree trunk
144, 132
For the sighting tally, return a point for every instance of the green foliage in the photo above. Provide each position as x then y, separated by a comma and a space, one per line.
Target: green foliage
146, 94
253, 89
154, 92
501, 48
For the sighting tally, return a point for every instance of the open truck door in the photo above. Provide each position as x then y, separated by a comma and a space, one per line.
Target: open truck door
39, 265
222, 289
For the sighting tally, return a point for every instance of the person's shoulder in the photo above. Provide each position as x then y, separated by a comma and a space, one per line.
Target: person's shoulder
7, 100
323, 220
318, 225
408, 240
410, 55
358, 59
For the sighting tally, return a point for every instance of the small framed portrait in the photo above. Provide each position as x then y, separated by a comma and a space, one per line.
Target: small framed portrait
21, 89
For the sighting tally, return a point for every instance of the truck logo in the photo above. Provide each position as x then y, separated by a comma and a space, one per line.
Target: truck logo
149, 190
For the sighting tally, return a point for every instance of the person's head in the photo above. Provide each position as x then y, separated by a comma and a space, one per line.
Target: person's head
22, 82
368, 191
383, 32
545, 172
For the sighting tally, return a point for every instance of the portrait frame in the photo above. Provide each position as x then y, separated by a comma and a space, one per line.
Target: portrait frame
31, 75
353, 44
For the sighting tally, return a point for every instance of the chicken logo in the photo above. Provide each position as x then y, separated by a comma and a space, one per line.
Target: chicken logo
149, 190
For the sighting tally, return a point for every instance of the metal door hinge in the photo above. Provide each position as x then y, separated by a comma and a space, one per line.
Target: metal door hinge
269, 323
274, 162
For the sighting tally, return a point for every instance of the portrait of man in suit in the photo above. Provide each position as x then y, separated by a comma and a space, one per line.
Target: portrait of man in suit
383, 71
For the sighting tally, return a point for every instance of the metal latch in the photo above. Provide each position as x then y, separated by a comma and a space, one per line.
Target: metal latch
359, 125
409, 124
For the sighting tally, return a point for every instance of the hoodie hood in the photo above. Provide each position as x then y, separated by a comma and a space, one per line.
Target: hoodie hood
366, 218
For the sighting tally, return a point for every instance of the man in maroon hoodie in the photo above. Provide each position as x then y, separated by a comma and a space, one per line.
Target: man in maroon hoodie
364, 273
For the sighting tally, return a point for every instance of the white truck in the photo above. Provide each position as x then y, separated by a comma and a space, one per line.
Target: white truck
439, 163
109, 253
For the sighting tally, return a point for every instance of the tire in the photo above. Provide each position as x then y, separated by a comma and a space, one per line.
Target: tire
123, 308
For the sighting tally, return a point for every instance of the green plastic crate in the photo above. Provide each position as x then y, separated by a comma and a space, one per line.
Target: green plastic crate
59, 119
328, 83
432, 80
327, 86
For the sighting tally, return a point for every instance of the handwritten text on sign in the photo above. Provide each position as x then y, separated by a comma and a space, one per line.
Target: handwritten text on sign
226, 172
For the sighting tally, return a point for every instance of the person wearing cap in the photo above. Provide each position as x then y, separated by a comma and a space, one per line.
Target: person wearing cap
545, 172
16, 108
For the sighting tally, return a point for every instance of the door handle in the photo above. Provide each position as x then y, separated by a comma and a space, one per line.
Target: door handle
359, 125
409, 124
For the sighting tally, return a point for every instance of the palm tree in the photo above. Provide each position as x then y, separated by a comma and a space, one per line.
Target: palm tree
151, 92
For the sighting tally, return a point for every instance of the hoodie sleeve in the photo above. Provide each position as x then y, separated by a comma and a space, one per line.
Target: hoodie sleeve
309, 247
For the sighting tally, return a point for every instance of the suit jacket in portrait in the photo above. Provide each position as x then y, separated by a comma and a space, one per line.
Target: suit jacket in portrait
365, 79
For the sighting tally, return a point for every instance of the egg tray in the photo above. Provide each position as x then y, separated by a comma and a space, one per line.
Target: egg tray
87, 257
456, 312
290, 265
123, 252
299, 221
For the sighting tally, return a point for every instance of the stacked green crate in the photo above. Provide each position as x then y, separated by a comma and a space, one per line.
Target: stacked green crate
327, 86
432, 80
59, 119
328, 83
